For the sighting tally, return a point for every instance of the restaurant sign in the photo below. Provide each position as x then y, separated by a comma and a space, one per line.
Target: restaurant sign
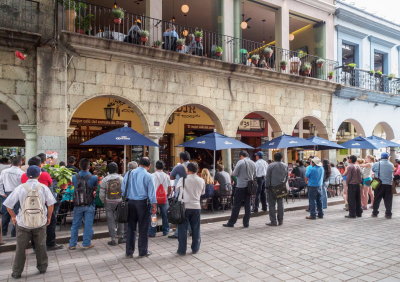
99, 122
199, 126
250, 125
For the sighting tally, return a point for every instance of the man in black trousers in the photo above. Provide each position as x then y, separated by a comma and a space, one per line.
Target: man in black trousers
354, 181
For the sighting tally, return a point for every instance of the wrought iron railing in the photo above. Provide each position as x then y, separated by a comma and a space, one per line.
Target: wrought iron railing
98, 21
368, 80
20, 15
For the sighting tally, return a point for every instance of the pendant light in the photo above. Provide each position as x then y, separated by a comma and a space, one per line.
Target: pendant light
185, 8
115, 4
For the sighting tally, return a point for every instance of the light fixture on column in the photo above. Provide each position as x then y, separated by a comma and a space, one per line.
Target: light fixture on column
341, 131
115, 4
312, 129
109, 113
244, 23
263, 124
185, 8
263, 31
291, 37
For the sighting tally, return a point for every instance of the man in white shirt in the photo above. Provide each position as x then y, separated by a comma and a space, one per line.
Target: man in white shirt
10, 178
261, 174
31, 225
4, 164
161, 178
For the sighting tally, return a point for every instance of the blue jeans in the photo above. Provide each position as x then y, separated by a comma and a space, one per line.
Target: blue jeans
87, 214
324, 195
165, 225
192, 220
314, 198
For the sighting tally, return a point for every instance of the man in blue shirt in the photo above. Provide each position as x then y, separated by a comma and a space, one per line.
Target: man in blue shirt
83, 211
315, 176
141, 192
384, 171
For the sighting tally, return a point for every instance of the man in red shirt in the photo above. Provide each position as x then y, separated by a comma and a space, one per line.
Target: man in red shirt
45, 179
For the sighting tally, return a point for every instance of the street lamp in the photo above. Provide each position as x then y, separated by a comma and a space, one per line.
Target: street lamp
109, 112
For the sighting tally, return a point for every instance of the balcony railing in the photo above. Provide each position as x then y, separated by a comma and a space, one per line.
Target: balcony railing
22, 15
98, 21
368, 80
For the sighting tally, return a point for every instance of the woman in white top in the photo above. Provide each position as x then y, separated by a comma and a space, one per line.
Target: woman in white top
366, 170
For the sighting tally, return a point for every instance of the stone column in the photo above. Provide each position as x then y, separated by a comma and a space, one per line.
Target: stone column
154, 152
227, 160
301, 132
282, 33
154, 10
392, 154
226, 26
30, 140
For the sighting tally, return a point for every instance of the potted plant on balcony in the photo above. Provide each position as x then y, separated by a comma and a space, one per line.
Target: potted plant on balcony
378, 74
84, 24
255, 58
118, 14
180, 42
306, 68
218, 51
330, 75
320, 62
391, 76
71, 8
157, 44
283, 65
301, 54
349, 67
371, 72
144, 36
268, 52
198, 35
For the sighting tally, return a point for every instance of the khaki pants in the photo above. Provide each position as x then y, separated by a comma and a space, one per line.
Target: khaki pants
38, 236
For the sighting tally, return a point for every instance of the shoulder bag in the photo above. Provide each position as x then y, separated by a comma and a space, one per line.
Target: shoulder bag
176, 210
280, 190
376, 182
251, 183
122, 207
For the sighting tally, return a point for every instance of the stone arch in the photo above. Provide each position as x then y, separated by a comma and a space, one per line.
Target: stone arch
276, 127
320, 126
138, 110
18, 110
207, 109
387, 128
357, 125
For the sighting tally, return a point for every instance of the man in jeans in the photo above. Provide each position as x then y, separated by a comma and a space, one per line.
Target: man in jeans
261, 173
26, 230
277, 173
354, 180
315, 176
384, 171
245, 170
111, 199
85, 212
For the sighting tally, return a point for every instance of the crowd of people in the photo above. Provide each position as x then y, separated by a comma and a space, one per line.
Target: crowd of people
30, 202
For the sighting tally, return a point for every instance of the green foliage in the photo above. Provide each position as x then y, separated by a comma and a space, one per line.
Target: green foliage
62, 174
144, 33
371, 72
157, 43
255, 57
118, 13
378, 73
352, 65
219, 49
180, 41
306, 67
301, 54
283, 63
100, 168
320, 61
391, 76
73, 5
85, 22
198, 33
268, 50
330, 73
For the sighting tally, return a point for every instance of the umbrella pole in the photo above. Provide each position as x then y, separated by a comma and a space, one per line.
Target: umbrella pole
214, 164
124, 162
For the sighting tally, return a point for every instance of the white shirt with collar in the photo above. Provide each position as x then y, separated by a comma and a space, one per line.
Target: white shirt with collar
261, 168
19, 195
10, 178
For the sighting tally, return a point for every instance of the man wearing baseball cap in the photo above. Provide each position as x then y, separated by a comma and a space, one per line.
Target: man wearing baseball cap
384, 171
31, 220
315, 176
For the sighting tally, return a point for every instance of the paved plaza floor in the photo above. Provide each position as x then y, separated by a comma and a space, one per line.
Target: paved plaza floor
329, 249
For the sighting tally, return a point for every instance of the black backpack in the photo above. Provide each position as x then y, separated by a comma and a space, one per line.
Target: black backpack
176, 210
83, 193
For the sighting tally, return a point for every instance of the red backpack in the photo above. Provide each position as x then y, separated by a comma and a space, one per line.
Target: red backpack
161, 195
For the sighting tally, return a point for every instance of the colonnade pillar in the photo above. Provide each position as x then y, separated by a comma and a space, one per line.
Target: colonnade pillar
30, 131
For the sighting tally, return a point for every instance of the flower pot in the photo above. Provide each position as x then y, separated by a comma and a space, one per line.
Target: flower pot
155, 46
70, 16
268, 55
197, 39
117, 21
81, 31
320, 65
144, 39
307, 72
255, 62
218, 54
330, 76
179, 47
283, 67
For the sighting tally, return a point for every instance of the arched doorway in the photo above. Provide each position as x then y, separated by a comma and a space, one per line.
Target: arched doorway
184, 124
385, 131
12, 141
255, 129
99, 115
307, 127
348, 129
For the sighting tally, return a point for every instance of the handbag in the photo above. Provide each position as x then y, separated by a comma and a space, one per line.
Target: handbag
251, 183
280, 190
176, 210
376, 182
122, 207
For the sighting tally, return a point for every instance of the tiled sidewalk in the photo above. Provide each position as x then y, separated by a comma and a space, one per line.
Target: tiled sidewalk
331, 249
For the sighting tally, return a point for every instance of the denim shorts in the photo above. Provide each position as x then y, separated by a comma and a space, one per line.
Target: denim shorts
367, 181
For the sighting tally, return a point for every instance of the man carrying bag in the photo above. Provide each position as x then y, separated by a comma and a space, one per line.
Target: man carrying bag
384, 171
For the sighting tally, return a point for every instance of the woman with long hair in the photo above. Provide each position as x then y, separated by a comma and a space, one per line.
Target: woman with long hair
366, 190
327, 174
209, 181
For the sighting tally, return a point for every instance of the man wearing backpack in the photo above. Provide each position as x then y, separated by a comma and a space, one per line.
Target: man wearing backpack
111, 196
31, 220
85, 185
162, 184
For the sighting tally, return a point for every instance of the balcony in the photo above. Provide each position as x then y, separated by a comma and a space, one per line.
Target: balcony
102, 22
19, 15
369, 86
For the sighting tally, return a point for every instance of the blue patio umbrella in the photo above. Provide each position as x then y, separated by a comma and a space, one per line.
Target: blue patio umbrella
323, 144
215, 141
361, 143
286, 141
383, 142
121, 136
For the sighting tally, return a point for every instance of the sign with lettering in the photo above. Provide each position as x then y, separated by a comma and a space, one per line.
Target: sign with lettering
199, 126
99, 122
250, 125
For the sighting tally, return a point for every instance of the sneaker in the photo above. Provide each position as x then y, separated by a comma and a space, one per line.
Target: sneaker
88, 247
112, 243
374, 215
173, 236
348, 216
146, 255
71, 248
271, 224
15, 276
388, 216
311, 217
55, 247
180, 254
227, 225
129, 256
320, 216
121, 241
42, 271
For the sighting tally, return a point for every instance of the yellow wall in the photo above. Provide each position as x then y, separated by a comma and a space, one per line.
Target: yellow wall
304, 38
95, 109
